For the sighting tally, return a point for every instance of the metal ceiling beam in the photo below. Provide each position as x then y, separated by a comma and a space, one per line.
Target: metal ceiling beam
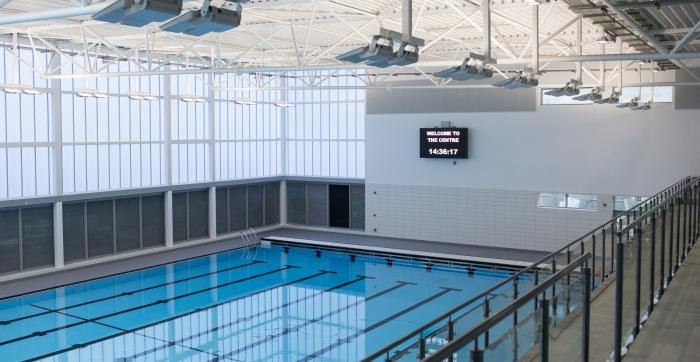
688, 37
650, 39
636, 5
423, 64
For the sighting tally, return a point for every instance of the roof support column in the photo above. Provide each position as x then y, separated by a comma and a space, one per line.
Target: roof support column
535, 38
407, 19
486, 25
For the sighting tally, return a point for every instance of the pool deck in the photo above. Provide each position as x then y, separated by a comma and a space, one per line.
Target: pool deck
109, 266
673, 330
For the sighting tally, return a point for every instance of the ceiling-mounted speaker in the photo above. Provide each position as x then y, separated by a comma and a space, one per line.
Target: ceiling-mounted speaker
198, 22
139, 12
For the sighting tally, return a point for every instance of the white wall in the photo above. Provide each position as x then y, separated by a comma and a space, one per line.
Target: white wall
490, 198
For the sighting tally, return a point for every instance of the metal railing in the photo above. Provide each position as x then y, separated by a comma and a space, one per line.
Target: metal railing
537, 324
673, 223
599, 243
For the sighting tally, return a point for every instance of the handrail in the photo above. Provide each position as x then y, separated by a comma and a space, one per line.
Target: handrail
655, 208
418, 331
459, 342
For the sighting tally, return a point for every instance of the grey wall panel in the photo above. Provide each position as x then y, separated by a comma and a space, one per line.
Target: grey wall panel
272, 203
296, 202
686, 97
255, 205
237, 208
357, 207
179, 216
198, 214
37, 237
318, 204
100, 228
74, 237
437, 100
9, 241
128, 223
153, 220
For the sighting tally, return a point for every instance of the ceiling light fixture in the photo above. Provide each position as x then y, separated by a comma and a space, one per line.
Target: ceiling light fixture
140, 96
244, 101
525, 78
139, 12
18, 88
475, 67
595, 95
283, 104
380, 51
571, 88
188, 98
607, 38
207, 19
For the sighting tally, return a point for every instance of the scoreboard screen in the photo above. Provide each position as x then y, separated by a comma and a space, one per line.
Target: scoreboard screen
443, 142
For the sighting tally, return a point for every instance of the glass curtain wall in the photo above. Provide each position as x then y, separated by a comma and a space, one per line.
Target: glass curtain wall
105, 138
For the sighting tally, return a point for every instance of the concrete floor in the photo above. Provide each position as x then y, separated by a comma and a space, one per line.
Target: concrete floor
673, 330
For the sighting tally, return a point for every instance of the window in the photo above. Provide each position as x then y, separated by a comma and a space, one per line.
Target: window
624, 203
654, 94
567, 201
645, 94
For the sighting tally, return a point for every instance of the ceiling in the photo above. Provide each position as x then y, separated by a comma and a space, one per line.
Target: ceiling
311, 33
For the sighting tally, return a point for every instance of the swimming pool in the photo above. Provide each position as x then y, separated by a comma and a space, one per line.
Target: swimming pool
276, 303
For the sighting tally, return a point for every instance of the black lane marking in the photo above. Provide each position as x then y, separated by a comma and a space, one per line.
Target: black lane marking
248, 318
310, 322
382, 322
122, 329
130, 292
160, 301
133, 330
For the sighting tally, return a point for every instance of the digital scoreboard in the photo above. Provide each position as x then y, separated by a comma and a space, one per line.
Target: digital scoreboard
443, 142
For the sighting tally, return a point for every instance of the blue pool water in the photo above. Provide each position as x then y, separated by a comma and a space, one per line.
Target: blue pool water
255, 304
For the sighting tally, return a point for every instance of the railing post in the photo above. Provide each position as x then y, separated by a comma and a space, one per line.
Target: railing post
554, 287
697, 213
678, 234
544, 332
421, 348
618, 299
515, 321
487, 313
638, 282
671, 216
685, 225
587, 281
652, 292
568, 282
662, 249
537, 280
593, 257
602, 263
477, 355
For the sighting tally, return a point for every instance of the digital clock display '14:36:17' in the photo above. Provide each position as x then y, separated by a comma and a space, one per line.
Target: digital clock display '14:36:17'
443, 142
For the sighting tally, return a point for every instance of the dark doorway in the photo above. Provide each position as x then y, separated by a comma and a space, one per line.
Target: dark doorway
339, 205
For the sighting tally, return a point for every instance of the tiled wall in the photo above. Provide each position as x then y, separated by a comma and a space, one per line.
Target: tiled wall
498, 218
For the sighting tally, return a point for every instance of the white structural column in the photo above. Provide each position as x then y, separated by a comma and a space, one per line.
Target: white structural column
407, 21
58, 259
486, 13
212, 155
283, 153
167, 158
57, 153
536, 38
579, 49
168, 208
212, 212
